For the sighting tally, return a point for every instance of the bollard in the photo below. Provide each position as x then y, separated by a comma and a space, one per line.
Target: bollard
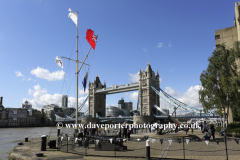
26, 139
147, 149
58, 133
44, 143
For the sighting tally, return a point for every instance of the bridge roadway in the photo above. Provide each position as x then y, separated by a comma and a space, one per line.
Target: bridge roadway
119, 89
131, 117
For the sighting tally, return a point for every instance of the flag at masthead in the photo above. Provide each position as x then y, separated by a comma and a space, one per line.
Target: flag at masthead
91, 38
73, 16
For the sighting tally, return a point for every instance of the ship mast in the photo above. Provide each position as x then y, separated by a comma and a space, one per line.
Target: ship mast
77, 74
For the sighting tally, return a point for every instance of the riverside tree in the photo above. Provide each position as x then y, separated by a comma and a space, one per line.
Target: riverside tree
221, 81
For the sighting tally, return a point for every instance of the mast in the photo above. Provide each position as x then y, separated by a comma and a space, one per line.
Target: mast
77, 75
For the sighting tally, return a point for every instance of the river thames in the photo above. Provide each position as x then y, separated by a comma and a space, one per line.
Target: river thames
11, 136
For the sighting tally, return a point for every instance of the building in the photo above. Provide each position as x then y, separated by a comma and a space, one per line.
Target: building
65, 101
125, 106
50, 111
113, 111
229, 36
27, 106
3, 114
19, 117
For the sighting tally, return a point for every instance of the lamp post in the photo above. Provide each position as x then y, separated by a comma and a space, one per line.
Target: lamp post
200, 113
175, 111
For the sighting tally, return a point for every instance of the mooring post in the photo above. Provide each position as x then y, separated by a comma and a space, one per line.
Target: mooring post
147, 149
44, 143
58, 133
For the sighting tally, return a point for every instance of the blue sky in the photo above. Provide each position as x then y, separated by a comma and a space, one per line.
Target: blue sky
176, 37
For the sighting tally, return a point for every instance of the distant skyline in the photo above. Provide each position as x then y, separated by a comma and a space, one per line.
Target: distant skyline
175, 37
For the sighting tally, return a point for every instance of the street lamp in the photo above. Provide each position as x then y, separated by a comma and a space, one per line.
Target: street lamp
175, 111
200, 113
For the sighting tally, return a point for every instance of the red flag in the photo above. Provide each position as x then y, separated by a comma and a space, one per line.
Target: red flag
91, 38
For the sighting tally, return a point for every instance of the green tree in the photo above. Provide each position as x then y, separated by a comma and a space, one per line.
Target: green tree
221, 80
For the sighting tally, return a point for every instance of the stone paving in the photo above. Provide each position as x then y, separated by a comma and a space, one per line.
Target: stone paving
195, 149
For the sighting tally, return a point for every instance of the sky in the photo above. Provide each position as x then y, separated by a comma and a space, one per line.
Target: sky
175, 37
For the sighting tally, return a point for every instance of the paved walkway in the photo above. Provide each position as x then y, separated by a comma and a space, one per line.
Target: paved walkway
195, 149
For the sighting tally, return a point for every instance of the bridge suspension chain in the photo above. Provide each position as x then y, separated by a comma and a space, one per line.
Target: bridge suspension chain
80, 107
179, 103
163, 97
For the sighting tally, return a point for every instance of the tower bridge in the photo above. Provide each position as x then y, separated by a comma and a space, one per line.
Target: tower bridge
149, 95
148, 98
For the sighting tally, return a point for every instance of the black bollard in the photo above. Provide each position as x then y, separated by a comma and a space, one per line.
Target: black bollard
147, 149
26, 139
58, 133
44, 143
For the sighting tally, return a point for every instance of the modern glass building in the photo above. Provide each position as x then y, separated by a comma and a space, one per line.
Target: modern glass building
113, 111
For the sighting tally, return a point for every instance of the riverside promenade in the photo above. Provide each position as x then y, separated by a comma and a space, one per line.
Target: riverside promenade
195, 149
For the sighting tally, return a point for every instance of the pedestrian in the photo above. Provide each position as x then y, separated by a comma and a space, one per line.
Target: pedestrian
207, 135
201, 125
192, 127
124, 130
145, 125
128, 132
84, 131
212, 129
119, 131
149, 127
80, 130
187, 129
205, 127
176, 129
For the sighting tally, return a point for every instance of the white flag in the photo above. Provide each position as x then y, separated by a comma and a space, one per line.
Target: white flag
73, 16
153, 140
110, 140
59, 62
207, 142
187, 140
170, 141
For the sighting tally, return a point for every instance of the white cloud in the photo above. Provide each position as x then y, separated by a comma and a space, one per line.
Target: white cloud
23, 79
30, 79
190, 97
45, 74
19, 74
160, 44
160, 79
171, 91
81, 91
133, 96
134, 77
169, 44
145, 50
41, 98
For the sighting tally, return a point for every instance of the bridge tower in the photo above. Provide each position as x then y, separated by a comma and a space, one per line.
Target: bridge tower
96, 102
148, 98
